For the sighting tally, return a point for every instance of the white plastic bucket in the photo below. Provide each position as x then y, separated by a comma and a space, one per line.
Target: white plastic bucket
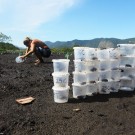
104, 65
92, 76
114, 86
19, 59
104, 87
126, 49
61, 94
104, 75
114, 53
79, 90
127, 61
103, 54
79, 77
114, 64
133, 83
91, 54
92, 88
115, 75
61, 65
92, 65
60, 79
80, 66
126, 85
128, 72
80, 53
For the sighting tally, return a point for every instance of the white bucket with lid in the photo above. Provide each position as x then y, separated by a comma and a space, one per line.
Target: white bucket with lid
91, 54
104, 75
61, 65
104, 65
91, 88
92, 76
60, 79
126, 85
114, 53
104, 87
80, 53
114, 86
80, 66
103, 54
115, 75
61, 94
128, 72
92, 65
127, 61
79, 90
126, 49
114, 64
80, 77
133, 83
19, 59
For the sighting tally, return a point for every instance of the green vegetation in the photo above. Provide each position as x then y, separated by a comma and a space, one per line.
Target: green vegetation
67, 52
6, 47
4, 38
62, 50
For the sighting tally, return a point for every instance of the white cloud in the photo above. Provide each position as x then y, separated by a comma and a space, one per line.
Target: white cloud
27, 15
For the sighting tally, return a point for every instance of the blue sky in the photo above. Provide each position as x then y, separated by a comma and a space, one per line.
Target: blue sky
65, 20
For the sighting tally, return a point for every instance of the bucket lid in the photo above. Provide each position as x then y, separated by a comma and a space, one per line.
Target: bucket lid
124, 45
79, 72
60, 60
79, 60
80, 47
59, 74
126, 89
60, 88
78, 84
114, 60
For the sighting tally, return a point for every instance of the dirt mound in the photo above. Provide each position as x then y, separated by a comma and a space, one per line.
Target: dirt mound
111, 114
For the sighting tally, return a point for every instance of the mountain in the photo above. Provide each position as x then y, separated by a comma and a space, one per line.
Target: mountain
89, 43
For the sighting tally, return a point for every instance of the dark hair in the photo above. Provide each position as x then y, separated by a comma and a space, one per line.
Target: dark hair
26, 41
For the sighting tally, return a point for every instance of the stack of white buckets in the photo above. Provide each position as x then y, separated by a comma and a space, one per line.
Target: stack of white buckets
85, 76
127, 66
61, 80
109, 73
96, 71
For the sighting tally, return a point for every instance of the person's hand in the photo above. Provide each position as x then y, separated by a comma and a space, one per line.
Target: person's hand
22, 57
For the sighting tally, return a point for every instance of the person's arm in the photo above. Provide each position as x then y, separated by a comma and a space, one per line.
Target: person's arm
29, 51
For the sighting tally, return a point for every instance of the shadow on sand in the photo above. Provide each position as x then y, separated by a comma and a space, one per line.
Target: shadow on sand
103, 97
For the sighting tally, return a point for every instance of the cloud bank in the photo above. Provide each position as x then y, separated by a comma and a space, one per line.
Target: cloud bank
21, 15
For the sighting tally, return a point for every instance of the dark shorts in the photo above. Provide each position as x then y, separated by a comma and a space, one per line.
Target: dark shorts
46, 52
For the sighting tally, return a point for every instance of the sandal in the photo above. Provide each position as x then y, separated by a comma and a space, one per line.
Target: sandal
39, 62
36, 61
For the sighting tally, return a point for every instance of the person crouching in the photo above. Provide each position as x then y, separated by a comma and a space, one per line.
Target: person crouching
38, 47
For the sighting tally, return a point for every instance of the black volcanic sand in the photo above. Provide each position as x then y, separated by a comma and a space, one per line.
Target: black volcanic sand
112, 114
